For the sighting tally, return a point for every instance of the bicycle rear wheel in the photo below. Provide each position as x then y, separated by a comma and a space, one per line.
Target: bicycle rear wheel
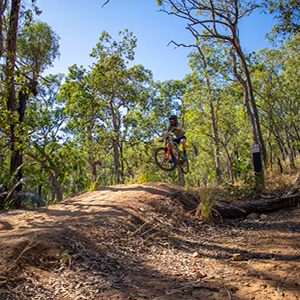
163, 159
183, 163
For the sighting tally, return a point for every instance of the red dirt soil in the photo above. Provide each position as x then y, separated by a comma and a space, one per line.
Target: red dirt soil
143, 242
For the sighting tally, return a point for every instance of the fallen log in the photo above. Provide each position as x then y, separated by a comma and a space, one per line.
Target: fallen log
233, 211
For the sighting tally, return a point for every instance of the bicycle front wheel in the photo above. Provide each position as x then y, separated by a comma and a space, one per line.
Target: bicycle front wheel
164, 160
183, 164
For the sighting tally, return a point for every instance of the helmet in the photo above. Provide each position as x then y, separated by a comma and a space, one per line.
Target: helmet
173, 120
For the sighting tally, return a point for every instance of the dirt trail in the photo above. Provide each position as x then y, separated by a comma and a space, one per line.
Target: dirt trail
141, 242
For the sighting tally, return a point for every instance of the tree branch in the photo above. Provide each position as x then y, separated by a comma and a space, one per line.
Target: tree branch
105, 3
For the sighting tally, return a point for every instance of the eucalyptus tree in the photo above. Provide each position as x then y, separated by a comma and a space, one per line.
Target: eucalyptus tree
287, 16
98, 101
230, 124
10, 93
275, 81
46, 143
85, 119
118, 87
219, 21
30, 50
3, 6
205, 64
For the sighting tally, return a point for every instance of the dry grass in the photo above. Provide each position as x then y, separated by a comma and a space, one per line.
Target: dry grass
238, 193
277, 182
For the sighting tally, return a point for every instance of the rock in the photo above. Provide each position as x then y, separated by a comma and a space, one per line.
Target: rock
252, 216
196, 254
263, 217
76, 256
5, 226
237, 257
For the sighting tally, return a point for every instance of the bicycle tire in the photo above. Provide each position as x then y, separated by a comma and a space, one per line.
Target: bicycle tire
183, 164
160, 160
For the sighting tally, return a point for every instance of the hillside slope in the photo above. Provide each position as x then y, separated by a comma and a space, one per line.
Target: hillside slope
143, 242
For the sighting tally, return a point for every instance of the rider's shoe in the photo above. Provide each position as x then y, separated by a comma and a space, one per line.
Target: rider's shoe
184, 157
172, 160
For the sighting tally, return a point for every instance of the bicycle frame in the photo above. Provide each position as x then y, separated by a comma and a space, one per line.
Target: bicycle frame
169, 156
168, 145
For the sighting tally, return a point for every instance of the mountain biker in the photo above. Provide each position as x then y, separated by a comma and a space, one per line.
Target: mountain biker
176, 128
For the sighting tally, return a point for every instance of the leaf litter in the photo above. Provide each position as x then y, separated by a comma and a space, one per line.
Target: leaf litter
144, 242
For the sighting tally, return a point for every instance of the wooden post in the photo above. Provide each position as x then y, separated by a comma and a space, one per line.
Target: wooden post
257, 164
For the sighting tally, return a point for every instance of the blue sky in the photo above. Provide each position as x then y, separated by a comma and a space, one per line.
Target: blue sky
79, 23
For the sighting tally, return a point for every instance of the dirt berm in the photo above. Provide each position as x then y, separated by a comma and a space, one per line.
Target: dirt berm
144, 242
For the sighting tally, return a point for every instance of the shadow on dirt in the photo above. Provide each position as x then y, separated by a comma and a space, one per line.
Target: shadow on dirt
138, 247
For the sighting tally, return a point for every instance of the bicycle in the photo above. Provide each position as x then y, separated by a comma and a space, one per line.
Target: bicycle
169, 156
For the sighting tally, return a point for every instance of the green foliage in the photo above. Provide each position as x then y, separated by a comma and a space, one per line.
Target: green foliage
102, 125
286, 13
10, 198
37, 46
27, 200
7, 189
105, 106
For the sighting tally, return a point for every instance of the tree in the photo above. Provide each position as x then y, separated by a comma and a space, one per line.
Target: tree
199, 63
11, 102
287, 14
45, 119
275, 81
86, 120
29, 51
118, 88
3, 5
99, 101
218, 21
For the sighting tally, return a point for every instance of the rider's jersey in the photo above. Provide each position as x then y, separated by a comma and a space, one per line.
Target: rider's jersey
178, 133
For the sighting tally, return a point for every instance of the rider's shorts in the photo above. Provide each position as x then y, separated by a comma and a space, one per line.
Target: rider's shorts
178, 140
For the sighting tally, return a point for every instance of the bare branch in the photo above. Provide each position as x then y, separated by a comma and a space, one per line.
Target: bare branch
105, 3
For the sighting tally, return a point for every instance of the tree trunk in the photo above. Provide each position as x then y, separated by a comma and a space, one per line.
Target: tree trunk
279, 165
122, 163
277, 136
53, 175
261, 207
93, 169
58, 192
216, 142
252, 116
229, 165
116, 159
116, 127
246, 96
16, 158
2, 9
93, 172
213, 119
258, 134
290, 152
181, 179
